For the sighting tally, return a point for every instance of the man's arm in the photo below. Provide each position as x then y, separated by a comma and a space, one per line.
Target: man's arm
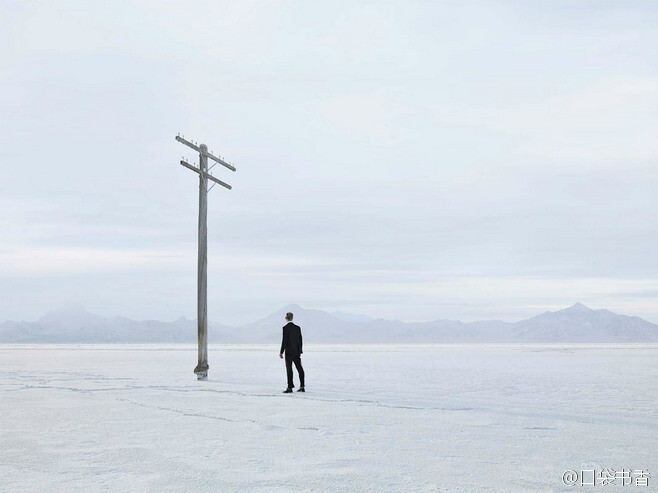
283, 342
300, 341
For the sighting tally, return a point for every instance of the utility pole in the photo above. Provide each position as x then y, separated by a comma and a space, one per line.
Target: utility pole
201, 369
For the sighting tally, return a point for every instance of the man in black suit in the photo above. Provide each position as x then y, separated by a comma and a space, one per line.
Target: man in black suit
292, 346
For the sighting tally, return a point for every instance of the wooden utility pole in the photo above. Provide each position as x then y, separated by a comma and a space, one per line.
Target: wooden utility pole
201, 369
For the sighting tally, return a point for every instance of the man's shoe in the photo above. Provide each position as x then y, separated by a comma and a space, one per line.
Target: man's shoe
301, 389
287, 391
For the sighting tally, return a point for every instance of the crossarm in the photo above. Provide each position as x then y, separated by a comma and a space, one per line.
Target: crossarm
207, 175
205, 153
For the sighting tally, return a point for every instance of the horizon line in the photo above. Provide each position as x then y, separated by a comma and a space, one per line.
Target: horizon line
82, 308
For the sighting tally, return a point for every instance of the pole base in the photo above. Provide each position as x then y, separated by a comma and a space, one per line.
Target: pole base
201, 371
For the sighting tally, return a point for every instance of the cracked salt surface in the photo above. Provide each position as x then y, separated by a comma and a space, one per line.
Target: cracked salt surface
374, 417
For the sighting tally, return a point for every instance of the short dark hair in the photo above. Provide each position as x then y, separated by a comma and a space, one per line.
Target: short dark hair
289, 316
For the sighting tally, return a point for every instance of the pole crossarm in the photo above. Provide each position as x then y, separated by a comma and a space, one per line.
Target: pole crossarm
206, 175
205, 153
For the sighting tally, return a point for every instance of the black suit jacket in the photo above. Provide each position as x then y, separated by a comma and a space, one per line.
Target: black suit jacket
291, 343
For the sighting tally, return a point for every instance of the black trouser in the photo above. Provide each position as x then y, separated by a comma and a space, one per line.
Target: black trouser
290, 359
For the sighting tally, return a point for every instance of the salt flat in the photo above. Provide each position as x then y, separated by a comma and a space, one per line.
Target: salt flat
374, 418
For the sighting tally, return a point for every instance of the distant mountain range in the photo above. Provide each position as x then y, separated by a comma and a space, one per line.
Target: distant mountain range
577, 323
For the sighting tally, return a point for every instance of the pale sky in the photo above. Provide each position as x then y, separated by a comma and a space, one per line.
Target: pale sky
409, 160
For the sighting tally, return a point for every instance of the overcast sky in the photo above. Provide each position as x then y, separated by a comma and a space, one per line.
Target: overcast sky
410, 160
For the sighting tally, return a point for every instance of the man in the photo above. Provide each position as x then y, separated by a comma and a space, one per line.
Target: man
292, 346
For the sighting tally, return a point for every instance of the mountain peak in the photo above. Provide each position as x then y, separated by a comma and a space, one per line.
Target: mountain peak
578, 307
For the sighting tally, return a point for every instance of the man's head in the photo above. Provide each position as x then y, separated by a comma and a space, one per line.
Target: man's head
289, 316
